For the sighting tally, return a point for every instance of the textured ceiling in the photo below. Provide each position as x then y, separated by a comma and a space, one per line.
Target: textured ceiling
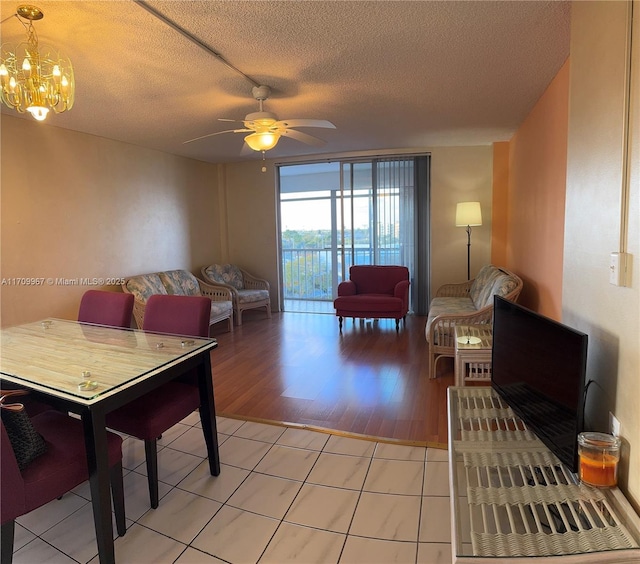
389, 75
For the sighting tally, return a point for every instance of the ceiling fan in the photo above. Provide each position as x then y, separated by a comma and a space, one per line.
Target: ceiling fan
265, 129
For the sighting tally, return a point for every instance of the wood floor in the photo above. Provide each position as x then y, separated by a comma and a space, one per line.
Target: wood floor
298, 368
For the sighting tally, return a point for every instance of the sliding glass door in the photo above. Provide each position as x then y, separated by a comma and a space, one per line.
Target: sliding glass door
334, 215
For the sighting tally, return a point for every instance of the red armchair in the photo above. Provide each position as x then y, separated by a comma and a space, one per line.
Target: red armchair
378, 292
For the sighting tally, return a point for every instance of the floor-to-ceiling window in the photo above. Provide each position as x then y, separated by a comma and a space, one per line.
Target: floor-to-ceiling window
336, 214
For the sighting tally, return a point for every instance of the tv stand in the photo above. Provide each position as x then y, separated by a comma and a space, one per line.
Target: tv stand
512, 499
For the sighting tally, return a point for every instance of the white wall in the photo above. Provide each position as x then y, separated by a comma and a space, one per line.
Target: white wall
608, 314
457, 174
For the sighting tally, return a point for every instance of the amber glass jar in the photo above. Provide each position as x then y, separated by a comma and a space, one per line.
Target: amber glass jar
599, 455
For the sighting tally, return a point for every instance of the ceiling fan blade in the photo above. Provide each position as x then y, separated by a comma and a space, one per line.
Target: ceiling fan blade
304, 137
217, 133
228, 119
306, 123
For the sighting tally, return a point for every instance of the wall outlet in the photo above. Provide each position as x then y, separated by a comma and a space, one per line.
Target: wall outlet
614, 425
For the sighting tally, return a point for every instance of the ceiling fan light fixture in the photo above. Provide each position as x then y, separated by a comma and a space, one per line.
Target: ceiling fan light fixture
262, 141
35, 78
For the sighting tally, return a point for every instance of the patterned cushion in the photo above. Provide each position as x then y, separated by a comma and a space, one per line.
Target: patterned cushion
250, 296
461, 304
226, 274
180, 282
145, 286
482, 285
502, 286
218, 308
449, 305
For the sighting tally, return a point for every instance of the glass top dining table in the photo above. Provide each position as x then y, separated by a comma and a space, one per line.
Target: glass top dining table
87, 361
91, 370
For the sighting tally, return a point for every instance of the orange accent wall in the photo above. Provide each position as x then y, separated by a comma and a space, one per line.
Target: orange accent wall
500, 204
536, 198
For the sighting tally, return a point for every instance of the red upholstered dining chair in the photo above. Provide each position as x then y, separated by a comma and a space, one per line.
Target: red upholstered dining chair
148, 416
60, 469
106, 308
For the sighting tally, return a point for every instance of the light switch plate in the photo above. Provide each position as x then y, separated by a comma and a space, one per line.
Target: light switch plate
618, 268
614, 269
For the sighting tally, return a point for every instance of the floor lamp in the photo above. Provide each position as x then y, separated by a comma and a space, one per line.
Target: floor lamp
468, 214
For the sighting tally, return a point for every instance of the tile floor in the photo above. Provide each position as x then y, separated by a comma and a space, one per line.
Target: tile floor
283, 495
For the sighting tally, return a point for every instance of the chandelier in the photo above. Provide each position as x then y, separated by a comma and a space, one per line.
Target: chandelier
35, 78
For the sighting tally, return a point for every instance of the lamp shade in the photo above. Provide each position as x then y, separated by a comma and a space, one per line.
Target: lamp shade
262, 141
468, 213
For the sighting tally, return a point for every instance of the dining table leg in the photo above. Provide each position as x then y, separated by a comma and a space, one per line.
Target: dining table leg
95, 435
208, 413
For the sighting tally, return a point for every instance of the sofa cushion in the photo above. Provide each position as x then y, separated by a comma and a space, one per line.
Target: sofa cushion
369, 303
144, 286
370, 279
226, 274
250, 296
218, 308
497, 285
482, 285
180, 282
449, 305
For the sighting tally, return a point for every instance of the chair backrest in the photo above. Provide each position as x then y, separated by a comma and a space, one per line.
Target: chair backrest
12, 484
225, 274
106, 308
180, 315
377, 279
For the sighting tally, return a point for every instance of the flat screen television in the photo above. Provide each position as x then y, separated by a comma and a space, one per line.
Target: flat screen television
538, 368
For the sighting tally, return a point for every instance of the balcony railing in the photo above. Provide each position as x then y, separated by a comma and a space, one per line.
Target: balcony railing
308, 273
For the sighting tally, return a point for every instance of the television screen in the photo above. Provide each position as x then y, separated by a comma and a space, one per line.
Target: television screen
539, 368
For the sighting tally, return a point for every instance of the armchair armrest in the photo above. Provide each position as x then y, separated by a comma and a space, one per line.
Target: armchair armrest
401, 289
347, 288
460, 290
253, 283
138, 312
214, 292
224, 287
138, 306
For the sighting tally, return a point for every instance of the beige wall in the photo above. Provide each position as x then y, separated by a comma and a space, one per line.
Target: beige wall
252, 233
457, 174
536, 200
80, 206
92, 207
608, 314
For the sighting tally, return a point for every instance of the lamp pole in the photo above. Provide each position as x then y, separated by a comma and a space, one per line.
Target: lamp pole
468, 252
468, 214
